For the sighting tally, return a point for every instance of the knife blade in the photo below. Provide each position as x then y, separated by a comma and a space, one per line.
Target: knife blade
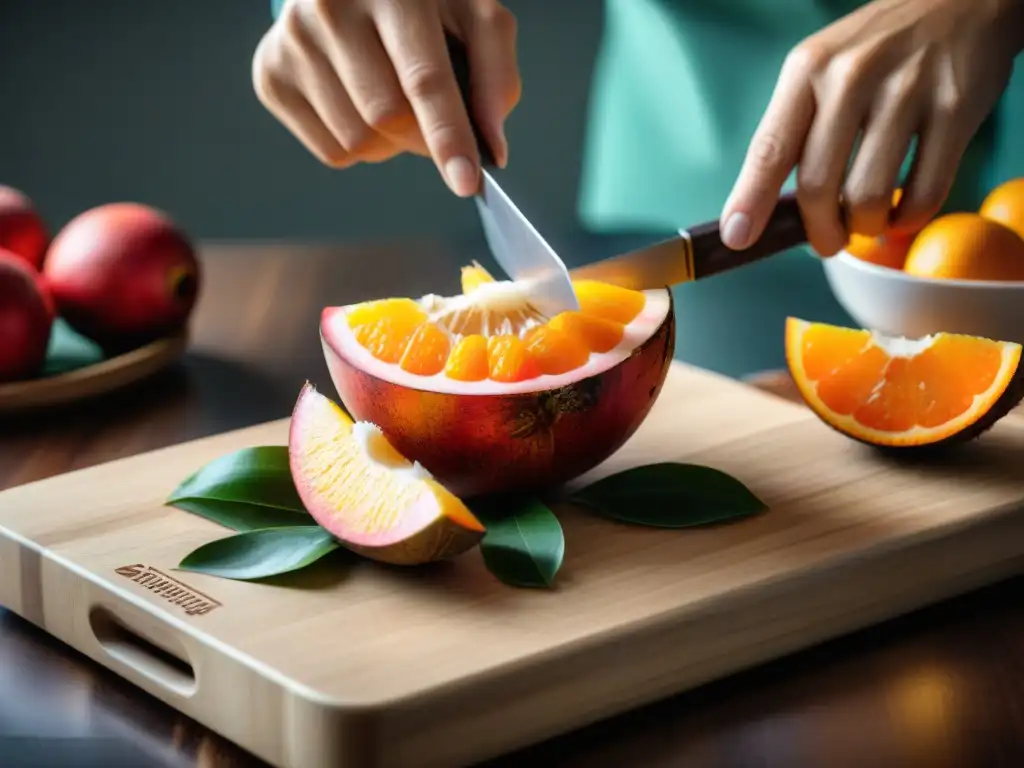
515, 243
696, 253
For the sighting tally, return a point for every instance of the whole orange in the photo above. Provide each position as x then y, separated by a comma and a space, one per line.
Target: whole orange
1005, 204
889, 250
966, 246
886, 250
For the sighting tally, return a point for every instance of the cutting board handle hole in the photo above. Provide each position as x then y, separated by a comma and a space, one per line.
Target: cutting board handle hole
157, 662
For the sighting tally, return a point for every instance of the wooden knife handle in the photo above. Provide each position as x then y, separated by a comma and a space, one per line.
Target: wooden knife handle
460, 64
784, 230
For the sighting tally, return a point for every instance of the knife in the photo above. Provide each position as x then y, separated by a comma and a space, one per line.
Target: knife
691, 254
515, 243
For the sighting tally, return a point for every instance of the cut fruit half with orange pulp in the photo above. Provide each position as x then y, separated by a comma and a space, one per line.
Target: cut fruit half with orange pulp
898, 392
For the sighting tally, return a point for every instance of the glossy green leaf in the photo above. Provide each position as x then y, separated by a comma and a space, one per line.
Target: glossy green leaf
670, 495
524, 548
259, 475
261, 553
243, 516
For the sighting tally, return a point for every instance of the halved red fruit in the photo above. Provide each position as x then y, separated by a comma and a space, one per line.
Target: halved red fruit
489, 394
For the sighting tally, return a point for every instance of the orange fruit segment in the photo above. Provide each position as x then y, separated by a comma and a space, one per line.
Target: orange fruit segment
509, 360
555, 350
599, 334
1005, 205
468, 360
608, 301
901, 392
473, 276
426, 352
966, 246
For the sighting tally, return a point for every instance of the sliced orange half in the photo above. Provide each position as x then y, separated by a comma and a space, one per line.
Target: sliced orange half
370, 497
893, 391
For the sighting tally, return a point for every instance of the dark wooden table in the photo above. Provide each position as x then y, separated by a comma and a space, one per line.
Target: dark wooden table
944, 687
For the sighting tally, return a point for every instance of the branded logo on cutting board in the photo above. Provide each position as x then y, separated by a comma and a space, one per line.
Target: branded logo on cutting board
189, 599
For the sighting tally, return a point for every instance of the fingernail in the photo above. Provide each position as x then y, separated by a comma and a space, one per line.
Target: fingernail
462, 176
737, 231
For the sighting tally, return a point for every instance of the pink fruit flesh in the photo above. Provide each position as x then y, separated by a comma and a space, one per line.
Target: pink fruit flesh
357, 487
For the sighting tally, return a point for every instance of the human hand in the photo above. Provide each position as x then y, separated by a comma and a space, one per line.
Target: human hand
366, 80
891, 69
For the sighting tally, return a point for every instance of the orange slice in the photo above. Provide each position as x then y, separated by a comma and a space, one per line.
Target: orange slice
892, 391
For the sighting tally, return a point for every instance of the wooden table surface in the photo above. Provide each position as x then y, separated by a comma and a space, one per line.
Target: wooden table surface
943, 687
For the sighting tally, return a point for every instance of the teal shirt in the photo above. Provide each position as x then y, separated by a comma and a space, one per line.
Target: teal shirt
678, 88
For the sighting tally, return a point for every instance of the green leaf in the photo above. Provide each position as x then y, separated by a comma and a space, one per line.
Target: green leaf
243, 516
68, 350
670, 495
261, 553
258, 475
525, 548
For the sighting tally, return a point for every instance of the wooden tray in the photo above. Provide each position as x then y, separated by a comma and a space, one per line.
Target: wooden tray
92, 380
437, 667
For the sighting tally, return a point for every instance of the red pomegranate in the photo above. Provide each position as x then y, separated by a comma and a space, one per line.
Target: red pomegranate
26, 318
22, 230
123, 274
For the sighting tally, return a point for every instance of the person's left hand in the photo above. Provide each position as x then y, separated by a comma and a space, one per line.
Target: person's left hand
890, 70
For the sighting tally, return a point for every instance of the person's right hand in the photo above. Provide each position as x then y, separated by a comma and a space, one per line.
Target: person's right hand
366, 80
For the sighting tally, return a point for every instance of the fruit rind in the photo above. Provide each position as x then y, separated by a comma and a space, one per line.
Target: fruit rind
433, 525
488, 437
989, 407
336, 332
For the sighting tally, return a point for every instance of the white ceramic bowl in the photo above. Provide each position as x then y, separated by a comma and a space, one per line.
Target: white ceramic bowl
899, 304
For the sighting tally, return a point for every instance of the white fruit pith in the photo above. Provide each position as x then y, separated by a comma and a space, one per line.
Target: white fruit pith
491, 309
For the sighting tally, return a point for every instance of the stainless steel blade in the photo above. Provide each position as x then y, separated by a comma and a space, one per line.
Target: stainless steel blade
521, 251
660, 265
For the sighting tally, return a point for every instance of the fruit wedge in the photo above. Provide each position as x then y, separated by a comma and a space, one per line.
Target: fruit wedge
898, 392
370, 497
490, 394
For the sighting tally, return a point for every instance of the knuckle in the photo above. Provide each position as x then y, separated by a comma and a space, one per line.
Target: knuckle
387, 112
767, 151
358, 140
807, 59
812, 184
847, 70
424, 80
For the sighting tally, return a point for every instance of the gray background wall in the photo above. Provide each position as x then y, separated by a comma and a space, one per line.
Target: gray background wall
151, 100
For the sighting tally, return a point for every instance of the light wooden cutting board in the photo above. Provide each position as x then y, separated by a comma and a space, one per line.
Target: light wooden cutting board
379, 666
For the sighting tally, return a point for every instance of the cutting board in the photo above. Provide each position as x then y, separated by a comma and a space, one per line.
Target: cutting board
380, 666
